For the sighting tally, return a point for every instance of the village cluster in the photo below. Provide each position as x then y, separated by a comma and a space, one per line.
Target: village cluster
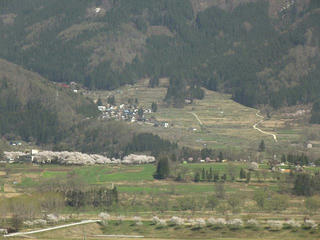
130, 113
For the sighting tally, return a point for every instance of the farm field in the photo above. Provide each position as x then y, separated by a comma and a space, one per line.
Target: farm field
149, 231
137, 187
140, 195
225, 125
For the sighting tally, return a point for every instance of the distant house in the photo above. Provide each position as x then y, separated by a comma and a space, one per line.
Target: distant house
65, 85
15, 143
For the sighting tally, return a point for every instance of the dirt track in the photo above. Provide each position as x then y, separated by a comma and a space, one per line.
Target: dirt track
264, 132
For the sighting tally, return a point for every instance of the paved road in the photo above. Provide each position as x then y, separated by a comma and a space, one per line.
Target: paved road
264, 132
52, 228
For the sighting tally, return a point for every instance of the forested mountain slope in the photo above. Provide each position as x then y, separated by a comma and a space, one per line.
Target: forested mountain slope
261, 51
36, 110
49, 114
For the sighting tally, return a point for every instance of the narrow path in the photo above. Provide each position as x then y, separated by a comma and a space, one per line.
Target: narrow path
258, 129
52, 228
196, 116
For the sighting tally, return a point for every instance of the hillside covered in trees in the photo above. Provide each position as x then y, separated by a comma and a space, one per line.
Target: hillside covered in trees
37, 111
261, 51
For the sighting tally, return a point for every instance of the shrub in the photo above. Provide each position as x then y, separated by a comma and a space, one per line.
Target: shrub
200, 223
211, 221
137, 221
252, 223
274, 225
104, 216
120, 219
52, 218
28, 223
309, 224
235, 223
191, 221
162, 223
177, 221
291, 224
155, 220
217, 223
40, 222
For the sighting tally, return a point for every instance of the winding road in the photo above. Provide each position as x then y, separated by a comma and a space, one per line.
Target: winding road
264, 132
255, 126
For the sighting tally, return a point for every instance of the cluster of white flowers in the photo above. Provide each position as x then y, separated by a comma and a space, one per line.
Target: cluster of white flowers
235, 223
309, 224
210, 221
40, 222
216, 222
78, 158
252, 223
28, 223
199, 223
274, 225
176, 221
104, 216
162, 223
35, 222
291, 224
53, 218
155, 220
191, 221
137, 220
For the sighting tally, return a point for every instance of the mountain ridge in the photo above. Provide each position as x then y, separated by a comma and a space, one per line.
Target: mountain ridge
230, 46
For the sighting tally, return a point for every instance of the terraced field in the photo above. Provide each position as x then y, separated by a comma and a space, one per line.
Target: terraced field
217, 122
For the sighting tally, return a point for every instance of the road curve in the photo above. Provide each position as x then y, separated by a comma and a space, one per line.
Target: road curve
52, 228
258, 129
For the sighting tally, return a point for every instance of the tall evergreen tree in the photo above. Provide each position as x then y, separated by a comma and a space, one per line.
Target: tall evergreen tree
262, 146
163, 170
154, 107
